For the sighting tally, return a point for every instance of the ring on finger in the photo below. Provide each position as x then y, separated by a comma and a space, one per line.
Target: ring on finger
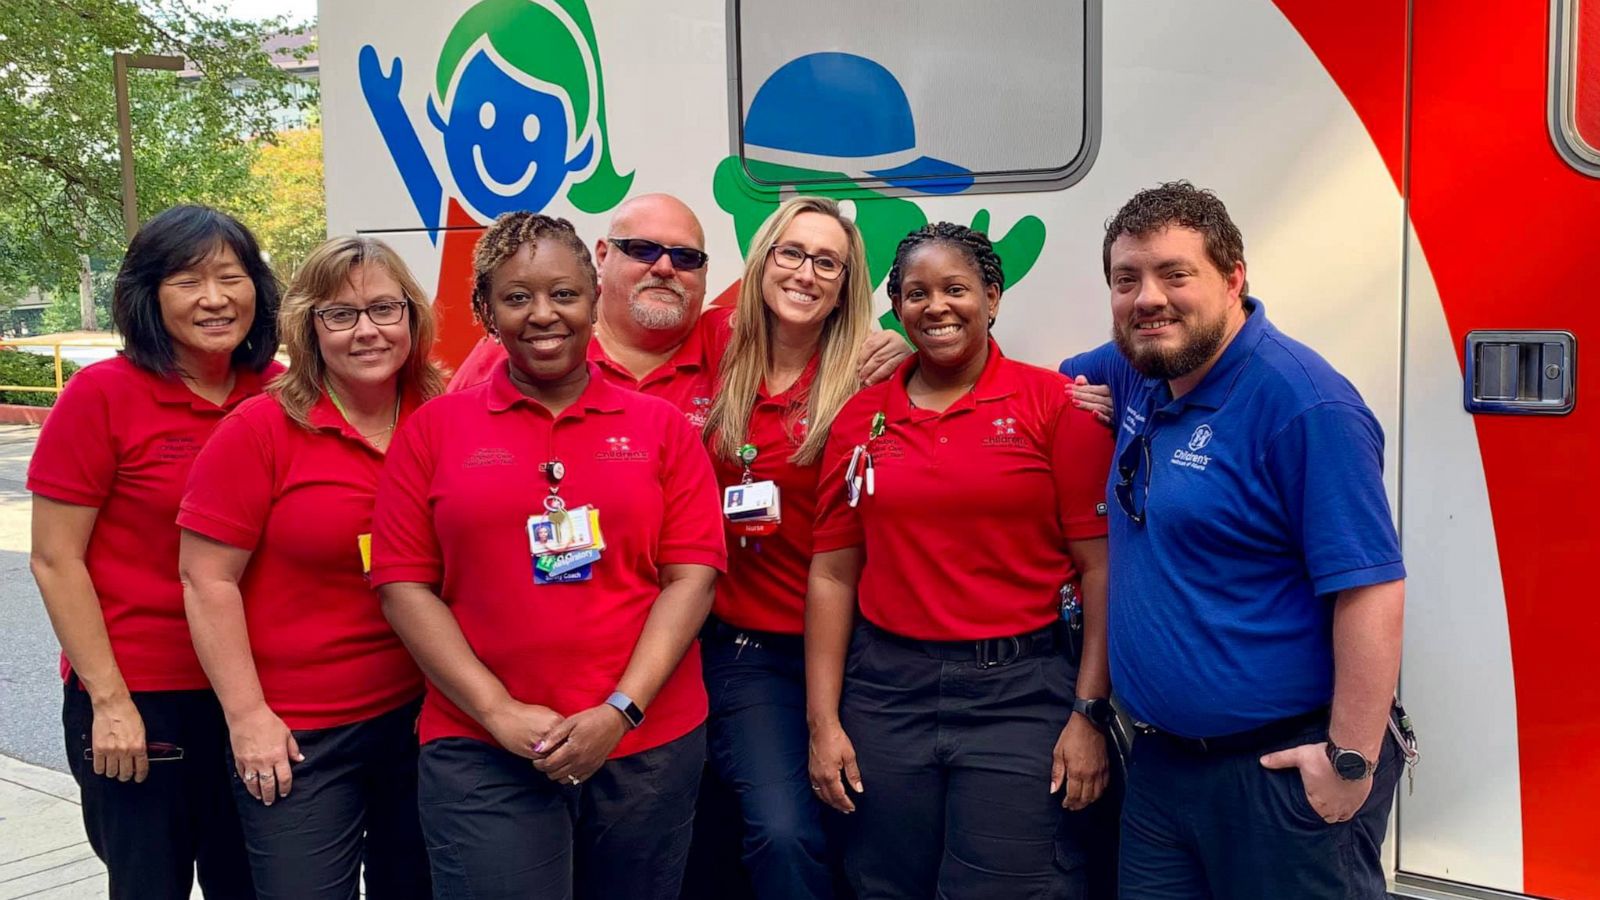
816, 787
252, 776
269, 776
573, 779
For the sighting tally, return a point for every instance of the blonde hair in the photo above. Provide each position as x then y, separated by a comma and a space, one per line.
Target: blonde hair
749, 355
323, 274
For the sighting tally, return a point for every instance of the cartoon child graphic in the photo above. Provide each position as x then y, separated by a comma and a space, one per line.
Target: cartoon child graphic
519, 103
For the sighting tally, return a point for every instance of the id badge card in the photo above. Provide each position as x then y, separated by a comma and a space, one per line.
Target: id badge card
364, 544
570, 576
563, 530
561, 563
755, 501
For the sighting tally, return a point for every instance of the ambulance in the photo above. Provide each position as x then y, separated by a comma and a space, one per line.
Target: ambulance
1418, 184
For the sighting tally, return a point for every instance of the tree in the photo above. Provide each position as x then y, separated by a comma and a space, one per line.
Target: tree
60, 187
290, 213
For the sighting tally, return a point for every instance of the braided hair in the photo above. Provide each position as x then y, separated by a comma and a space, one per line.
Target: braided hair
501, 241
974, 245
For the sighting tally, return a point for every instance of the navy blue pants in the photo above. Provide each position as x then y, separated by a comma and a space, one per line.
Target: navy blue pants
155, 835
497, 829
1218, 825
353, 804
759, 745
955, 759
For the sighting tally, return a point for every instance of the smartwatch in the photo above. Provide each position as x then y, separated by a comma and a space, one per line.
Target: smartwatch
1098, 711
630, 710
1349, 764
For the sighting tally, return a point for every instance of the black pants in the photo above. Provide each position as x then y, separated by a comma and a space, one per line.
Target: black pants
955, 759
1197, 826
353, 804
497, 829
153, 836
760, 745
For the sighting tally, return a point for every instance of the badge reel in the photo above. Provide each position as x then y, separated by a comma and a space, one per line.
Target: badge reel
565, 543
751, 507
859, 476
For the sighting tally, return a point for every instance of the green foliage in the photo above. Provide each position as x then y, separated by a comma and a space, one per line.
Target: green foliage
289, 214
22, 368
60, 185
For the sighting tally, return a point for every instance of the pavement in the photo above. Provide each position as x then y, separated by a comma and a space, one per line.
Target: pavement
43, 852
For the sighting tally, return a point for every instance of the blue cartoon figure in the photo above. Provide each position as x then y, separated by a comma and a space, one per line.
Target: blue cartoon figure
519, 103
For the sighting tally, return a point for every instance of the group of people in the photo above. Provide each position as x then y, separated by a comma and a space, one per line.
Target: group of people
485, 638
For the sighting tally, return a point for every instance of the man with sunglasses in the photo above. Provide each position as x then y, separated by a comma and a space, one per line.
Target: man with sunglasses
651, 335
1256, 580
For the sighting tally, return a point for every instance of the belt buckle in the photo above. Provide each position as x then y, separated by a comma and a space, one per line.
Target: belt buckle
986, 661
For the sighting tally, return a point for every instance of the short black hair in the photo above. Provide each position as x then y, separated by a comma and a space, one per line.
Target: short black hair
1178, 203
172, 241
974, 245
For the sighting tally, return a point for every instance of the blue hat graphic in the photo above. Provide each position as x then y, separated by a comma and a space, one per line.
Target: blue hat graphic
845, 106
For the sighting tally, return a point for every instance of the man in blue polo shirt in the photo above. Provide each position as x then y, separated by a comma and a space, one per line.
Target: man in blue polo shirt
1256, 581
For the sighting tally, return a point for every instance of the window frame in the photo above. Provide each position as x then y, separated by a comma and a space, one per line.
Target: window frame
1564, 134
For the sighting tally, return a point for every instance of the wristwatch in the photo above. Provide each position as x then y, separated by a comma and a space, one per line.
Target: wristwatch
630, 710
1351, 765
1098, 711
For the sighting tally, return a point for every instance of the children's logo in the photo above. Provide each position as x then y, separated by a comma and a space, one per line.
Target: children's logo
621, 447
519, 102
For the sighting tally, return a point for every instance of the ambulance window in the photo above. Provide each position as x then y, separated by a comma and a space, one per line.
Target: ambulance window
916, 97
1575, 82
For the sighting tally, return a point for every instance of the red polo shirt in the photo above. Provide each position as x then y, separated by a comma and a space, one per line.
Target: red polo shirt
461, 480
687, 380
299, 500
966, 533
122, 439
765, 588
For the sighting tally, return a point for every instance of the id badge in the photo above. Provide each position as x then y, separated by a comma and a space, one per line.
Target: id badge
562, 563
572, 529
364, 544
571, 576
755, 501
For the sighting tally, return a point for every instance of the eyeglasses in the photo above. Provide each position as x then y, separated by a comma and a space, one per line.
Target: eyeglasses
684, 259
791, 257
344, 318
1134, 457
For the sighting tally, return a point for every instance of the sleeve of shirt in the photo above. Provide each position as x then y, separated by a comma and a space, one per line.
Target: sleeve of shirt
1080, 460
1327, 466
230, 489
691, 532
75, 459
405, 546
478, 366
838, 524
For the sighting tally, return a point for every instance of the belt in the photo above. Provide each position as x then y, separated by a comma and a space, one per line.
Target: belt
717, 630
1255, 739
986, 654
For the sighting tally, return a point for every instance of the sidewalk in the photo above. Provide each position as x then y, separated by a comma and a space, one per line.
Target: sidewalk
43, 853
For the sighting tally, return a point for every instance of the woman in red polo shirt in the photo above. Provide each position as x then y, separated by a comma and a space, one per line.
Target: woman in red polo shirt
196, 305
545, 543
320, 695
960, 506
804, 310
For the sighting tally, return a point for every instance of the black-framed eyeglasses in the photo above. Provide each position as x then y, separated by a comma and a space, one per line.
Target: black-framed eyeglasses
788, 256
684, 259
344, 318
1134, 459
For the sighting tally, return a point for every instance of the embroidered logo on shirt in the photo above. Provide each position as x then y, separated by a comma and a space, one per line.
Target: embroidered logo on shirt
178, 449
489, 456
1192, 458
1005, 432
621, 448
700, 410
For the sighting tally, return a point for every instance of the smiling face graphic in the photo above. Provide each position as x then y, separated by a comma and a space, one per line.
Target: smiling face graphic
506, 142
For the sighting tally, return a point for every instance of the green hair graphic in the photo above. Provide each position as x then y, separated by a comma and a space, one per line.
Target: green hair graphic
539, 43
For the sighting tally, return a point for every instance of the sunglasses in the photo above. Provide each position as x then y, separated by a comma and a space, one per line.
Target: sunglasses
1135, 457
684, 259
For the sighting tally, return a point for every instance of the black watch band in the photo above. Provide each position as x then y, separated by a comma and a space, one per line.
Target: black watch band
1351, 765
1098, 711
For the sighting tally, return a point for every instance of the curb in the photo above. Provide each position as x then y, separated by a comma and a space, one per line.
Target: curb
14, 414
59, 785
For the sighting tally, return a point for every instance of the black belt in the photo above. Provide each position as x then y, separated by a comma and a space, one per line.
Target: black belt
717, 630
1255, 739
987, 653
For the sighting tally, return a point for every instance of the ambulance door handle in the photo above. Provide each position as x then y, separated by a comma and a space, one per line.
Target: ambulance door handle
1521, 372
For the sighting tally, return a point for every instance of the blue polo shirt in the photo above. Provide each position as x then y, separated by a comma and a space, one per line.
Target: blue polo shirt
1265, 500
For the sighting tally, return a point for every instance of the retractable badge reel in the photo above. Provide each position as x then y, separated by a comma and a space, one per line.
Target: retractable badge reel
751, 506
859, 475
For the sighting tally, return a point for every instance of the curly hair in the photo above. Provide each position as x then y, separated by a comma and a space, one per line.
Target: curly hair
1178, 203
501, 241
974, 245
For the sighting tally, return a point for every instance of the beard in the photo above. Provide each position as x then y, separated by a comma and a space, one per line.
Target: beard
656, 316
1164, 363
